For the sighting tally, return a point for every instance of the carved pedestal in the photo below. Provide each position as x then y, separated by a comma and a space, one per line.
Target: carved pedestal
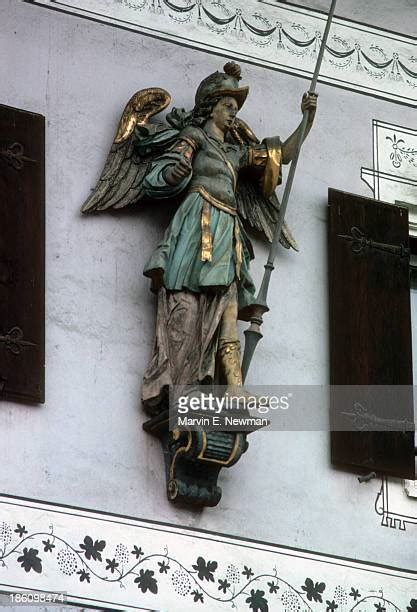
193, 460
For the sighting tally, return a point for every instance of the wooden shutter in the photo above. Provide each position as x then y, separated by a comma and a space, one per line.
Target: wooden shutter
22, 238
370, 335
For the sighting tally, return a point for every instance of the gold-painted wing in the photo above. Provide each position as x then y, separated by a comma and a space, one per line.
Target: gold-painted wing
120, 183
258, 212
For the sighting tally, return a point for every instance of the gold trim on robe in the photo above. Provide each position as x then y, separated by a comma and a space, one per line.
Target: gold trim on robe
206, 237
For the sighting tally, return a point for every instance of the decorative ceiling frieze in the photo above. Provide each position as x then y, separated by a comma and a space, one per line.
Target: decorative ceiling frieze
283, 37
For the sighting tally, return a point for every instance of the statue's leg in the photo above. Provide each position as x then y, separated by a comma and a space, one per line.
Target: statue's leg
229, 355
229, 345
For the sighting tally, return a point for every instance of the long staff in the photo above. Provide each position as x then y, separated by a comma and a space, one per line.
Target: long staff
260, 307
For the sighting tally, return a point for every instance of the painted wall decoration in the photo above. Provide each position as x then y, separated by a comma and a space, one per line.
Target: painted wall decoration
124, 563
278, 36
394, 175
397, 509
393, 178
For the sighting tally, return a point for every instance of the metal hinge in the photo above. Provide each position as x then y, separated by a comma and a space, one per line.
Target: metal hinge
360, 242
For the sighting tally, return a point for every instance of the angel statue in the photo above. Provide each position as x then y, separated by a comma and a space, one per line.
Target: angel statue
224, 179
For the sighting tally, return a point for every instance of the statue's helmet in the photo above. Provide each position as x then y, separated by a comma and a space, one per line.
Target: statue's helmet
222, 84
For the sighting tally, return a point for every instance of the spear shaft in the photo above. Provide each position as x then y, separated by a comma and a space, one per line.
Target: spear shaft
260, 307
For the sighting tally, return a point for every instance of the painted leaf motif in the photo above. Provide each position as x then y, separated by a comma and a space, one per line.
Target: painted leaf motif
84, 575
21, 530
93, 550
198, 596
413, 606
314, 590
354, 593
257, 601
30, 560
205, 569
146, 581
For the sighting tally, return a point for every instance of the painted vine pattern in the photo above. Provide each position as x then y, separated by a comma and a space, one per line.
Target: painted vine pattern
217, 16
93, 559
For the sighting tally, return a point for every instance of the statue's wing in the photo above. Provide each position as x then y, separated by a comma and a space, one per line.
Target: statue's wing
257, 211
260, 213
120, 183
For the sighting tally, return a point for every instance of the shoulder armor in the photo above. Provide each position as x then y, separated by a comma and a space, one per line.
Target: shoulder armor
193, 136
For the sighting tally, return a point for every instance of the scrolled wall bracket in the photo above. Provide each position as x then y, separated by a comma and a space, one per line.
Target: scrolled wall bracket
194, 459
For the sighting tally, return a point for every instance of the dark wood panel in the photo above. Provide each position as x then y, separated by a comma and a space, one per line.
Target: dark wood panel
22, 255
370, 335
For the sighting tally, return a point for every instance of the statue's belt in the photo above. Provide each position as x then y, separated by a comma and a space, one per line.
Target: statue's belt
206, 237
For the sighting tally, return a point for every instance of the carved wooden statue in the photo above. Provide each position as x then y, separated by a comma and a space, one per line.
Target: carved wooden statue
225, 180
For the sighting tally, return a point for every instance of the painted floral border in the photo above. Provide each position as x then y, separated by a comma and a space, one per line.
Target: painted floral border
237, 586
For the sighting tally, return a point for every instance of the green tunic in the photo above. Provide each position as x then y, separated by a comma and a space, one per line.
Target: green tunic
178, 256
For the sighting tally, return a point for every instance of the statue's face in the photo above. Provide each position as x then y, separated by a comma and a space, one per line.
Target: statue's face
224, 113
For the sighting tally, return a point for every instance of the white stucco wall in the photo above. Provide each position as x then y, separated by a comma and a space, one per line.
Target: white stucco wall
85, 446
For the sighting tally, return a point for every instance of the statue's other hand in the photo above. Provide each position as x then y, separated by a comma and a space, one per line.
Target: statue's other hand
177, 172
309, 104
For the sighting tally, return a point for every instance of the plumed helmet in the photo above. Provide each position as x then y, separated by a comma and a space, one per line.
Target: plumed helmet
223, 84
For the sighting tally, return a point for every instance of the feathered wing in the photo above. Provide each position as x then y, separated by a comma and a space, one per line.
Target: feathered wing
257, 211
261, 213
120, 183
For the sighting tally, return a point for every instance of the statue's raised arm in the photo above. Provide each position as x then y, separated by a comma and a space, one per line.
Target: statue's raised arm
289, 147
